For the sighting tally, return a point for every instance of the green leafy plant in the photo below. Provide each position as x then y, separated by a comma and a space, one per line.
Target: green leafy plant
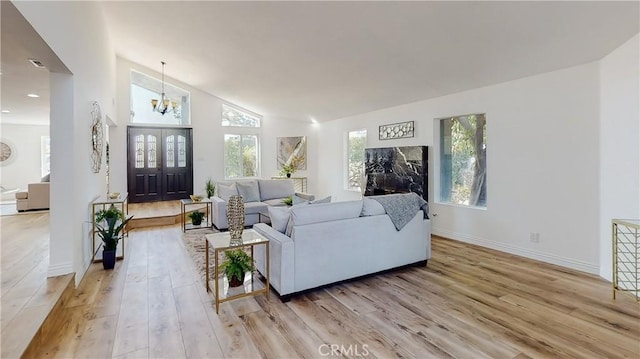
291, 166
237, 263
196, 217
110, 225
209, 188
288, 201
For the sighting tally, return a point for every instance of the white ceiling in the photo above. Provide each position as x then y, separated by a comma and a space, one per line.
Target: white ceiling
19, 43
327, 60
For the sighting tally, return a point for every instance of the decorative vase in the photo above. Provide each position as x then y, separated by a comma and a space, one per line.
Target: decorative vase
288, 175
235, 217
196, 222
108, 259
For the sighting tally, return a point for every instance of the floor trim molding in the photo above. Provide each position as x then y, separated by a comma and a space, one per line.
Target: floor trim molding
525, 252
59, 269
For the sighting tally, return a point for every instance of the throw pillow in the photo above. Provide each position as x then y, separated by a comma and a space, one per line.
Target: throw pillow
324, 200
227, 190
279, 217
298, 200
249, 191
289, 229
371, 207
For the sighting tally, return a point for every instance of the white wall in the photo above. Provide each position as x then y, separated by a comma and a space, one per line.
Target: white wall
542, 160
208, 134
619, 143
25, 168
76, 32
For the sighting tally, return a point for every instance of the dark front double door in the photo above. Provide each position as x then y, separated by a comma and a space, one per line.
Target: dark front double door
160, 164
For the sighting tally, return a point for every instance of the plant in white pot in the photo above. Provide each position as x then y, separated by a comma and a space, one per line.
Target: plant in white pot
110, 225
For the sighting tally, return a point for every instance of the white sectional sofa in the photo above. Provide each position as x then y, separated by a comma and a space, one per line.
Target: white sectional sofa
258, 194
336, 241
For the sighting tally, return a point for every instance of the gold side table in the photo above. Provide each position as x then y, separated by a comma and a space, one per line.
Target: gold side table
208, 207
252, 284
103, 202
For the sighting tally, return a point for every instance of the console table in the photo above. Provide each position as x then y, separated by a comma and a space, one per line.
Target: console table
299, 183
103, 202
626, 246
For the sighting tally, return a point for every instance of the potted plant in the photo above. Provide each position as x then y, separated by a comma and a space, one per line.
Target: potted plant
209, 188
290, 167
196, 217
110, 225
287, 170
237, 263
288, 201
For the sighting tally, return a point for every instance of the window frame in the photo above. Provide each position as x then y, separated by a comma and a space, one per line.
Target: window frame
347, 148
438, 159
185, 119
242, 131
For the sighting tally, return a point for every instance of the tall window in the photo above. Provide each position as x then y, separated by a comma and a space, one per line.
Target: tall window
463, 160
45, 155
144, 89
241, 144
356, 142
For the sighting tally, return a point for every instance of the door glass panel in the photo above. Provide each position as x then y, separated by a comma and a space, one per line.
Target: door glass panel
139, 140
182, 151
171, 162
151, 150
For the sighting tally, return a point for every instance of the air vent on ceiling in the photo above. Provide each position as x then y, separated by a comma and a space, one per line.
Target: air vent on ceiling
37, 63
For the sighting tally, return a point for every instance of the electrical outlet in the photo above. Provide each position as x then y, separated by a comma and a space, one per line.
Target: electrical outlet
534, 237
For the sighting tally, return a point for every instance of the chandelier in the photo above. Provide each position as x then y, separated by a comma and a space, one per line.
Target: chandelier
165, 105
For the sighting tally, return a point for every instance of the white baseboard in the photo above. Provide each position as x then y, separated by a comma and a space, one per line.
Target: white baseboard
59, 269
524, 252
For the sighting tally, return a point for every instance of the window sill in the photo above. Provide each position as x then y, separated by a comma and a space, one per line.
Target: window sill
460, 206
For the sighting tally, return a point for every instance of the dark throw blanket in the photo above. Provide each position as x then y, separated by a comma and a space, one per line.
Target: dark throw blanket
402, 207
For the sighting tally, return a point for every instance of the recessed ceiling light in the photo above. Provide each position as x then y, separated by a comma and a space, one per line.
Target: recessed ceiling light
5, 111
36, 63
33, 95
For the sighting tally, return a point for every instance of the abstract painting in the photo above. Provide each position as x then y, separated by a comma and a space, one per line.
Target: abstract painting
290, 148
396, 170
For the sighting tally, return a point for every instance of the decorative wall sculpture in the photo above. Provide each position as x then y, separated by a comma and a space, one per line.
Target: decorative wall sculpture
290, 148
396, 130
396, 170
96, 138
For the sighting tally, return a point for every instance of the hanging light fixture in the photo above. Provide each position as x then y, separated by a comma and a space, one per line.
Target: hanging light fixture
165, 105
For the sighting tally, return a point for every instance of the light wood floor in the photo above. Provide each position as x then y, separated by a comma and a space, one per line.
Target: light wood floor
469, 302
27, 296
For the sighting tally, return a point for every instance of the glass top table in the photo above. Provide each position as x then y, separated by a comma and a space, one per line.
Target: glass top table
252, 285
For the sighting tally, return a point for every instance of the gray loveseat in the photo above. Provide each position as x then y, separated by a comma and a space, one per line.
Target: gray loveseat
258, 194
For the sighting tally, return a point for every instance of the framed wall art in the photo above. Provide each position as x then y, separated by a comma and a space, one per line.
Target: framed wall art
396, 130
292, 149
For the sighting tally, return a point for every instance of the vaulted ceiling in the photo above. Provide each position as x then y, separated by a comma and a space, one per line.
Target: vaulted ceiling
328, 60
